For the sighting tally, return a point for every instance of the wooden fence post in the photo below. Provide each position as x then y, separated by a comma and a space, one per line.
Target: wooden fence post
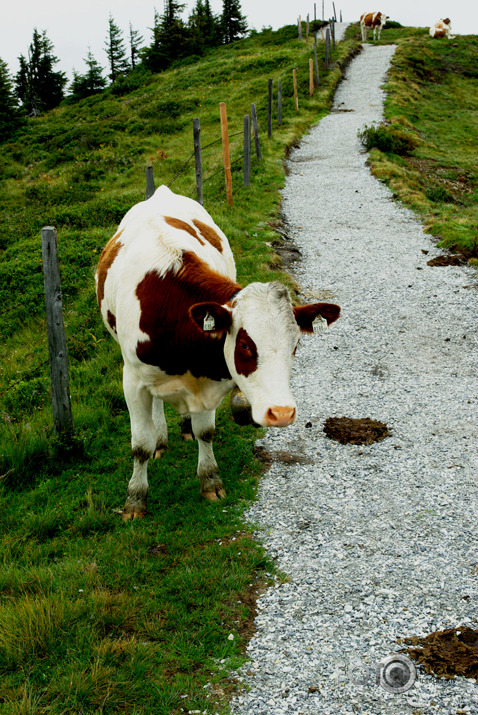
299, 26
247, 150
315, 61
295, 91
315, 11
255, 127
150, 189
322, 9
327, 48
332, 32
197, 159
307, 30
225, 152
279, 103
60, 389
311, 77
269, 111
335, 14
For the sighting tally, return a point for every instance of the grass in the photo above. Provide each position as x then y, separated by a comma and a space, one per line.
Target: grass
432, 104
97, 615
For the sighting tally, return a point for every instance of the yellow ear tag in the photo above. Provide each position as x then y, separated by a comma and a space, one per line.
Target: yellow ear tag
319, 325
209, 322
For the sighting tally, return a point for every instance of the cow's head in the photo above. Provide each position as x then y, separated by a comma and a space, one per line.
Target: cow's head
262, 331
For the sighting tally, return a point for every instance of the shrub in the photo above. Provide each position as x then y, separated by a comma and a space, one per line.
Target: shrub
388, 139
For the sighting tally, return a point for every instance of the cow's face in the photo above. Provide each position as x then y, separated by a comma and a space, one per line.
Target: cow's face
262, 331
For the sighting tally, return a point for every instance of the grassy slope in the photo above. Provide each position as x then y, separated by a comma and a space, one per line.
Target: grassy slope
433, 95
96, 615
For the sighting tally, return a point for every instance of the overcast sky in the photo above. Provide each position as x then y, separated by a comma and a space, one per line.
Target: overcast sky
74, 27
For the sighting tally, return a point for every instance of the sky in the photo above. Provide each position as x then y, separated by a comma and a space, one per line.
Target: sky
73, 28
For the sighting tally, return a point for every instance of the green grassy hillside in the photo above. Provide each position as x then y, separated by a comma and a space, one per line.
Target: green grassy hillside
97, 615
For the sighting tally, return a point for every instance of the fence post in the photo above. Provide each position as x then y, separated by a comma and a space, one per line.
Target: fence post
197, 159
307, 30
279, 103
255, 127
335, 14
150, 189
332, 31
299, 25
315, 11
315, 61
269, 111
295, 91
327, 48
225, 152
341, 16
60, 390
311, 77
247, 150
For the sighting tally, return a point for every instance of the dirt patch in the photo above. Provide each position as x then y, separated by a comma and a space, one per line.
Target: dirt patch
348, 430
456, 259
454, 182
267, 457
447, 653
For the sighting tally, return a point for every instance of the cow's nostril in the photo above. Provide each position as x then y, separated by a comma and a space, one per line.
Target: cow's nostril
280, 416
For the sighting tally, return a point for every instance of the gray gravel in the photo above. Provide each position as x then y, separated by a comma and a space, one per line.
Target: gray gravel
378, 542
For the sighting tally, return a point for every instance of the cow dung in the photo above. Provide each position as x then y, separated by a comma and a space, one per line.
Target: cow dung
447, 653
455, 260
348, 430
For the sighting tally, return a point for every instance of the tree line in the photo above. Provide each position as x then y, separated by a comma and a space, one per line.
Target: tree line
38, 86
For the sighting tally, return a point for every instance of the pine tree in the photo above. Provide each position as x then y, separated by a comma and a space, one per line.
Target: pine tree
204, 27
135, 40
90, 83
9, 112
37, 85
116, 52
170, 38
234, 24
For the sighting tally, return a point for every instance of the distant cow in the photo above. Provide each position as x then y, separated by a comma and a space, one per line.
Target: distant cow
166, 286
374, 20
442, 28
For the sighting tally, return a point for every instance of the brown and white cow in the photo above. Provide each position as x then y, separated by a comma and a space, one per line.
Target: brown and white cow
372, 20
166, 286
442, 28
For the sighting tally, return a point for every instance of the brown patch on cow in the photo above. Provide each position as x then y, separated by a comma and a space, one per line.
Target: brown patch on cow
245, 353
107, 259
439, 32
175, 344
453, 651
454, 260
306, 314
209, 234
183, 226
348, 430
111, 321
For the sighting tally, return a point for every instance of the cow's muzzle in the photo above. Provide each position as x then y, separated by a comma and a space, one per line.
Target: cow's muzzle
280, 416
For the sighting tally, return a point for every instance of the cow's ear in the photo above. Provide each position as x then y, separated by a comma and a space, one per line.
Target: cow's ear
315, 317
211, 318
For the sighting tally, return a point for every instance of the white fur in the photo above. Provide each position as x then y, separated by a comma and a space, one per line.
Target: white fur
439, 28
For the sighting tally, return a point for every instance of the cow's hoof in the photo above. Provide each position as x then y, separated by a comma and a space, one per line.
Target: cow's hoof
159, 452
187, 436
214, 494
133, 514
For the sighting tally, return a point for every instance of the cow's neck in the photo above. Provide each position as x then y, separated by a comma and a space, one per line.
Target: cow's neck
175, 344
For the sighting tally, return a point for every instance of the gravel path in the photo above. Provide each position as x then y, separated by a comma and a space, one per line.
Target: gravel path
379, 541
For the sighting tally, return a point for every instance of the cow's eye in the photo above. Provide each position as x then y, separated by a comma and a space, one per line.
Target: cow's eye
245, 348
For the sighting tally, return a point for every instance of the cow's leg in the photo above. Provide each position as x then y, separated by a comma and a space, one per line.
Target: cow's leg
143, 443
160, 426
186, 428
203, 425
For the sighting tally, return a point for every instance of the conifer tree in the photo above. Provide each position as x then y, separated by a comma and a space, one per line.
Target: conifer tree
116, 51
37, 85
170, 38
92, 82
135, 40
204, 27
9, 112
234, 24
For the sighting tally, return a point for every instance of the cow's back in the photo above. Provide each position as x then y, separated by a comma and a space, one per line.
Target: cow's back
153, 236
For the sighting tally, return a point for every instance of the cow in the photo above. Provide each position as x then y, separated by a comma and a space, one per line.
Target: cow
189, 333
442, 28
374, 20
